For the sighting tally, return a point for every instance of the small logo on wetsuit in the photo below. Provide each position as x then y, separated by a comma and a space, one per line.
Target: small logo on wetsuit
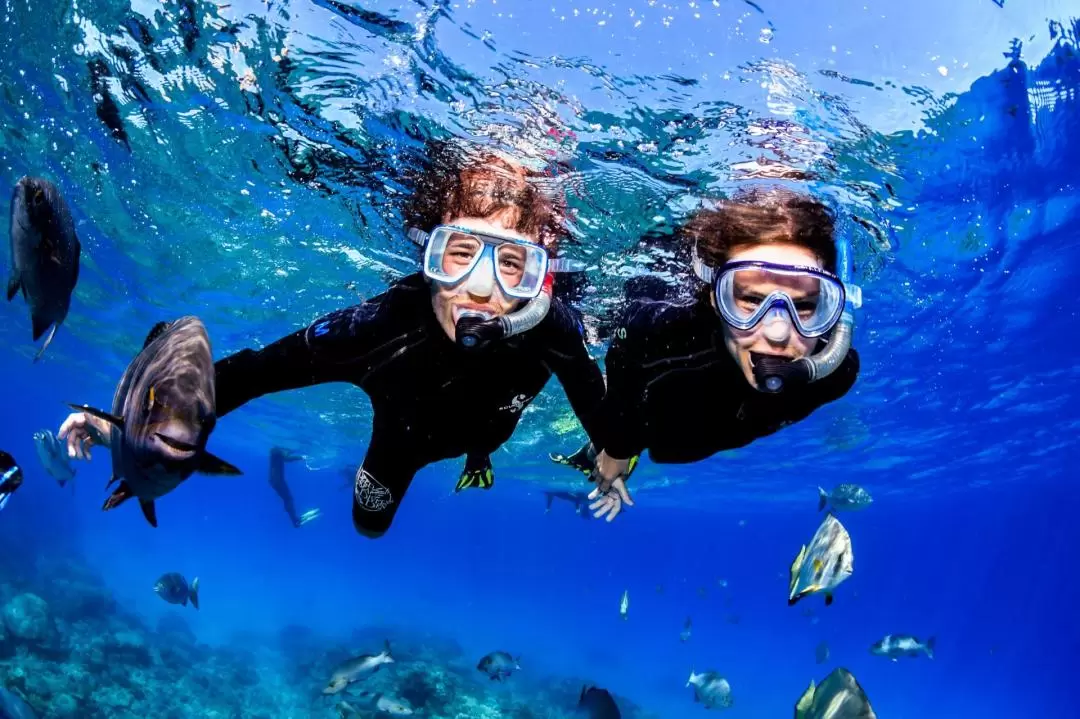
516, 404
369, 494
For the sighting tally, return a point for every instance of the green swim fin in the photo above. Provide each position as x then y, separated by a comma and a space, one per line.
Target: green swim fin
477, 473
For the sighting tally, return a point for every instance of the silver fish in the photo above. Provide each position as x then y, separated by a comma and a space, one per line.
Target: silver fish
357, 668
823, 565
838, 696
844, 498
895, 646
53, 456
624, 604
44, 255
382, 704
162, 416
711, 690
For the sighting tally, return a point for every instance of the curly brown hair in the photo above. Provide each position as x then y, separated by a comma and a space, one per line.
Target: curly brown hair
474, 182
759, 216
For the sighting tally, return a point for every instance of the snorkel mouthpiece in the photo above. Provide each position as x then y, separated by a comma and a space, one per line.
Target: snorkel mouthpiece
775, 374
474, 331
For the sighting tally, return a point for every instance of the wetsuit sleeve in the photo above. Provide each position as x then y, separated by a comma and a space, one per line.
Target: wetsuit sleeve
622, 417
327, 351
577, 372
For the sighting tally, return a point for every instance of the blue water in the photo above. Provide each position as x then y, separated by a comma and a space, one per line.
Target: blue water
963, 423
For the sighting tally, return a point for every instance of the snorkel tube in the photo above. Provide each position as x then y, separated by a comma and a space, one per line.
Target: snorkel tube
474, 332
773, 374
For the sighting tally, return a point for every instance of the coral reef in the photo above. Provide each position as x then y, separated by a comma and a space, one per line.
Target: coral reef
69, 650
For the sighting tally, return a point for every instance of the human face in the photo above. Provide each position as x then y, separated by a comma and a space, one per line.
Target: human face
478, 291
775, 334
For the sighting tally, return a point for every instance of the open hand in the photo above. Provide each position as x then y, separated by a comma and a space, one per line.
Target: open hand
82, 431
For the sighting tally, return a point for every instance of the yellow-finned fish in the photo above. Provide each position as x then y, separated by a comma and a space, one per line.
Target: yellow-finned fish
838, 696
823, 564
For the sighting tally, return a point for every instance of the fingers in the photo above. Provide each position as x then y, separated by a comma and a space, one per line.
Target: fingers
69, 424
624, 494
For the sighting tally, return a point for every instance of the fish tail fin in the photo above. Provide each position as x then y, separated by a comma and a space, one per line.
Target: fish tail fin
39, 325
688, 681
194, 594
48, 341
13, 286
930, 646
210, 464
823, 499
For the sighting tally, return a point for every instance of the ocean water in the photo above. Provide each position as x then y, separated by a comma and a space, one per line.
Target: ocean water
247, 162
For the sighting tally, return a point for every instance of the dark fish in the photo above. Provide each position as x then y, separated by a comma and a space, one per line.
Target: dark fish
163, 414
174, 589
821, 653
357, 668
11, 477
107, 110
597, 704
498, 665
44, 254
12, 707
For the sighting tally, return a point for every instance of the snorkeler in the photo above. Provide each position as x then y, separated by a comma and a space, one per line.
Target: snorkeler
765, 343
278, 458
450, 356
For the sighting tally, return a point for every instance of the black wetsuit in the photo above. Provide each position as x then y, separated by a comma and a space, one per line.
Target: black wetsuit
431, 400
674, 389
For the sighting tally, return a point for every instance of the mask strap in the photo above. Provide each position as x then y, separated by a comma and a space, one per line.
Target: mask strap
418, 236
704, 272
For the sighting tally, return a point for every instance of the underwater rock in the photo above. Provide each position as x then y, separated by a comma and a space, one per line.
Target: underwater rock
127, 647
27, 618
63, 706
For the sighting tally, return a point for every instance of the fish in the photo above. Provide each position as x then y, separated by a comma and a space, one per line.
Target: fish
821, 652
624, 604
45, 253
382, 704
580, 500
684, 635
711, 690
11, 477
844, 498
162, 416
13, 707
895, 646
174, 589
499, 665
839, 696
597, 703
357, 668
823, 565
52, 453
